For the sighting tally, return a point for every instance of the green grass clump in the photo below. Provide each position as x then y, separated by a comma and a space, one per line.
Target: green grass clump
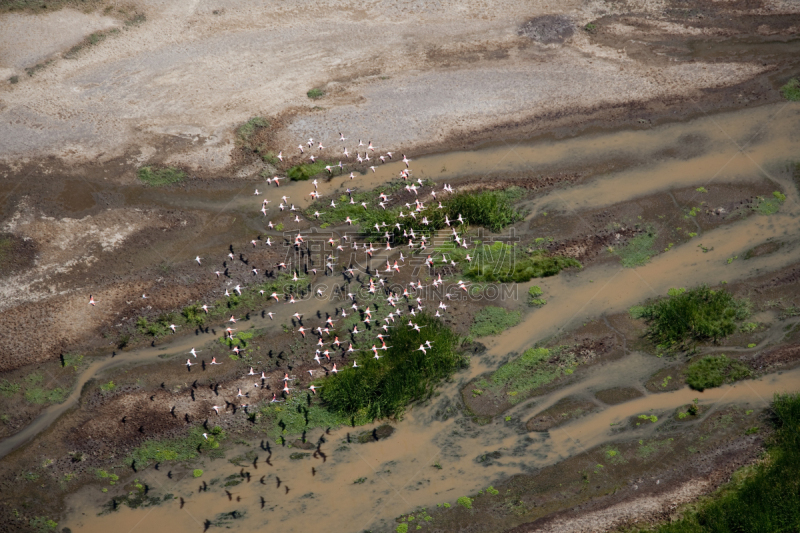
638, 250
315, 93
9, 388
714, 370
791, 91
40, 396
178, 449
491, 209
694, 315
246, 130
108, 387
197, 472
308, 170
465, 502
505, 263
493, 320
534, 368
402, 528
764, 499
160, 177
383, 387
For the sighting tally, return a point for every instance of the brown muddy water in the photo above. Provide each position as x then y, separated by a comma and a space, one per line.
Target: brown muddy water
365, 485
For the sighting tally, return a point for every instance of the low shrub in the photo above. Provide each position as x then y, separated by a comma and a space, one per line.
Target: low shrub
714, 370
694, 315
383, 387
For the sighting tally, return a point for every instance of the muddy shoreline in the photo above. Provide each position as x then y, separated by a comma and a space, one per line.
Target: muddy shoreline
649, 144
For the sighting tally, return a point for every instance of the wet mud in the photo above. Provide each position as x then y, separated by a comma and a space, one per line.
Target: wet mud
450, 446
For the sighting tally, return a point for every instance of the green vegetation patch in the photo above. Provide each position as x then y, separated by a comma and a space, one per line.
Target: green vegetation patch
160, 177
465, 502
492, 320
315, 94
383, 387
491, 209
791, 91
296, 416
506, 263
9, 388
638, 250
714, 370
249, 128
694, 315
769, 206
178, 449
308, 170
535, 368
763, 499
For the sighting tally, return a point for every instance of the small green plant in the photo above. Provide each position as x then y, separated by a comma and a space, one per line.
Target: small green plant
108, 387
160, 177
315, 94
701, 189
651, 418
437, 466
197, 472
402, 527
13, 80
279, 227
791, 91
508, 418
465, 502
534, 294
590, 27
493, 491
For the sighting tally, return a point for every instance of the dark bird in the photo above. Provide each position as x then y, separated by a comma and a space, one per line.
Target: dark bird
206, 525
267, 460
169, 474
263, 502
230, 496
279, 482
124, 418
241, 472
287, 489
254, 463
238, 498
313, 471
262, 480
182, 502
324, 457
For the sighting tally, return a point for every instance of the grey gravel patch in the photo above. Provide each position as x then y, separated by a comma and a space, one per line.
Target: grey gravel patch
548, 29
